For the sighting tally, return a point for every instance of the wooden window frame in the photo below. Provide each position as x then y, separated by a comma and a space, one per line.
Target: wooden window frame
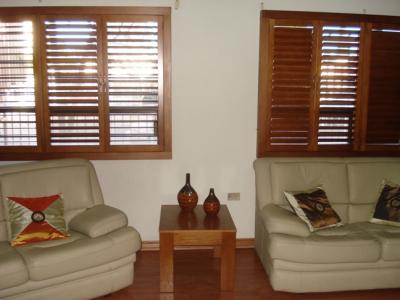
358, 147
43, 150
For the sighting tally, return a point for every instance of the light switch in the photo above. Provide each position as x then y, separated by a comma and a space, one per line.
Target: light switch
233, 196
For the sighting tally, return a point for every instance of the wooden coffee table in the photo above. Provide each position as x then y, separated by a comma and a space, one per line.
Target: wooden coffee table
178, 228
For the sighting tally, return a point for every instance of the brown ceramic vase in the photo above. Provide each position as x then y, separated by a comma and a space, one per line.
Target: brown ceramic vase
211, 204
187, 196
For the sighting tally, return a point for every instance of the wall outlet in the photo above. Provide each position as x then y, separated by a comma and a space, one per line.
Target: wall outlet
233, 196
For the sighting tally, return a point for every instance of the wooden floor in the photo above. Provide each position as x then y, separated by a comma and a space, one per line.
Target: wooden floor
197, 278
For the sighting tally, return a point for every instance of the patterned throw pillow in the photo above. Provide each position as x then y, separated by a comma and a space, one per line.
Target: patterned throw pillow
314, 209
387, 210
36, 219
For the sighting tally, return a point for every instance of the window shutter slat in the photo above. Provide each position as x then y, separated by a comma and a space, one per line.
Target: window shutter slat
291, 86
383, 125
338, 84
72, 82
133, 82
17, 94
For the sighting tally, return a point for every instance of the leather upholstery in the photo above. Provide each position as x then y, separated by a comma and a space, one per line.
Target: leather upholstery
98, 220
280, 220
12, 271
362, 255
389, 237
300, 177
95, 260
337, 247
80, 254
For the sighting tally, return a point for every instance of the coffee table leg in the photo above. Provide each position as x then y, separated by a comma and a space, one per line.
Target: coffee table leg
228, 261
166, 262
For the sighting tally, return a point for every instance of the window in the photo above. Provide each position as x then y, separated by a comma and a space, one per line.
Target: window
85, 82
328, 84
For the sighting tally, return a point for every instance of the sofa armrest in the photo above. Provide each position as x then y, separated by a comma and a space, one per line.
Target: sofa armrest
98, 220
279, 220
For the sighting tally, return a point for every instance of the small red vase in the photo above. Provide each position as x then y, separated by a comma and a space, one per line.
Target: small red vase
211, 205
187, 196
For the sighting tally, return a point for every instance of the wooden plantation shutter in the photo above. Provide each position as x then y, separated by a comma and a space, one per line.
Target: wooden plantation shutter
17, 84
329, 84
73, 81
91, 82
383, 118
314, 85
291, 87
338, 83
134, 69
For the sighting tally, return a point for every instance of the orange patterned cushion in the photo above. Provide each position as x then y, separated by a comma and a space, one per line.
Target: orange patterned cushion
36, 219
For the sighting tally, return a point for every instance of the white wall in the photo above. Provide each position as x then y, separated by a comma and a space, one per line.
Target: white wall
214, 104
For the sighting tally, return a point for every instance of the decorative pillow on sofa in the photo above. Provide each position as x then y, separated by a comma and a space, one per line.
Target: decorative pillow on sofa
387, 210
314, 209
36, 219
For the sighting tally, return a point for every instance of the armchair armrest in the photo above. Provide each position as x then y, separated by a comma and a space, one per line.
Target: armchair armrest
279, 220
98, 220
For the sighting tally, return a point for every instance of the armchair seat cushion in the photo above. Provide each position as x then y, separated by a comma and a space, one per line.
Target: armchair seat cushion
12, 271
77, 253
336, 245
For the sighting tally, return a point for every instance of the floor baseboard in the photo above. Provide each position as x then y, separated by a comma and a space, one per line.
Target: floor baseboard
155, 245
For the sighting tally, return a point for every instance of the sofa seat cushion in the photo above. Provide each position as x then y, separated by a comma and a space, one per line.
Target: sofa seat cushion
12, 271
334, 245
388, 236
302, 267
280, 220
55, 258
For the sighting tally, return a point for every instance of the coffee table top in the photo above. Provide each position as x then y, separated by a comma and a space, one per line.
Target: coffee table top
173, 219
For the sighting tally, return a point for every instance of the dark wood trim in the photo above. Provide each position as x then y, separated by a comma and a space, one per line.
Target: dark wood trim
263, 88
167, 84
324, 16
242, 243
102, 57
160, 116
82, 10
5, 156
38, 69
315, 89
364, 69
389, 152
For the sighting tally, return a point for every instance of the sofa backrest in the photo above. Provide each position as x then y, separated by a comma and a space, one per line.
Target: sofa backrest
75, 178
352, 184
365, 183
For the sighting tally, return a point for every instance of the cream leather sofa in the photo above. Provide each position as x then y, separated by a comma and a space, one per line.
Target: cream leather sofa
359, 255
97, 259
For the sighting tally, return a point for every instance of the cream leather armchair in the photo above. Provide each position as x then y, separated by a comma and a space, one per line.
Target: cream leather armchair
97, 259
